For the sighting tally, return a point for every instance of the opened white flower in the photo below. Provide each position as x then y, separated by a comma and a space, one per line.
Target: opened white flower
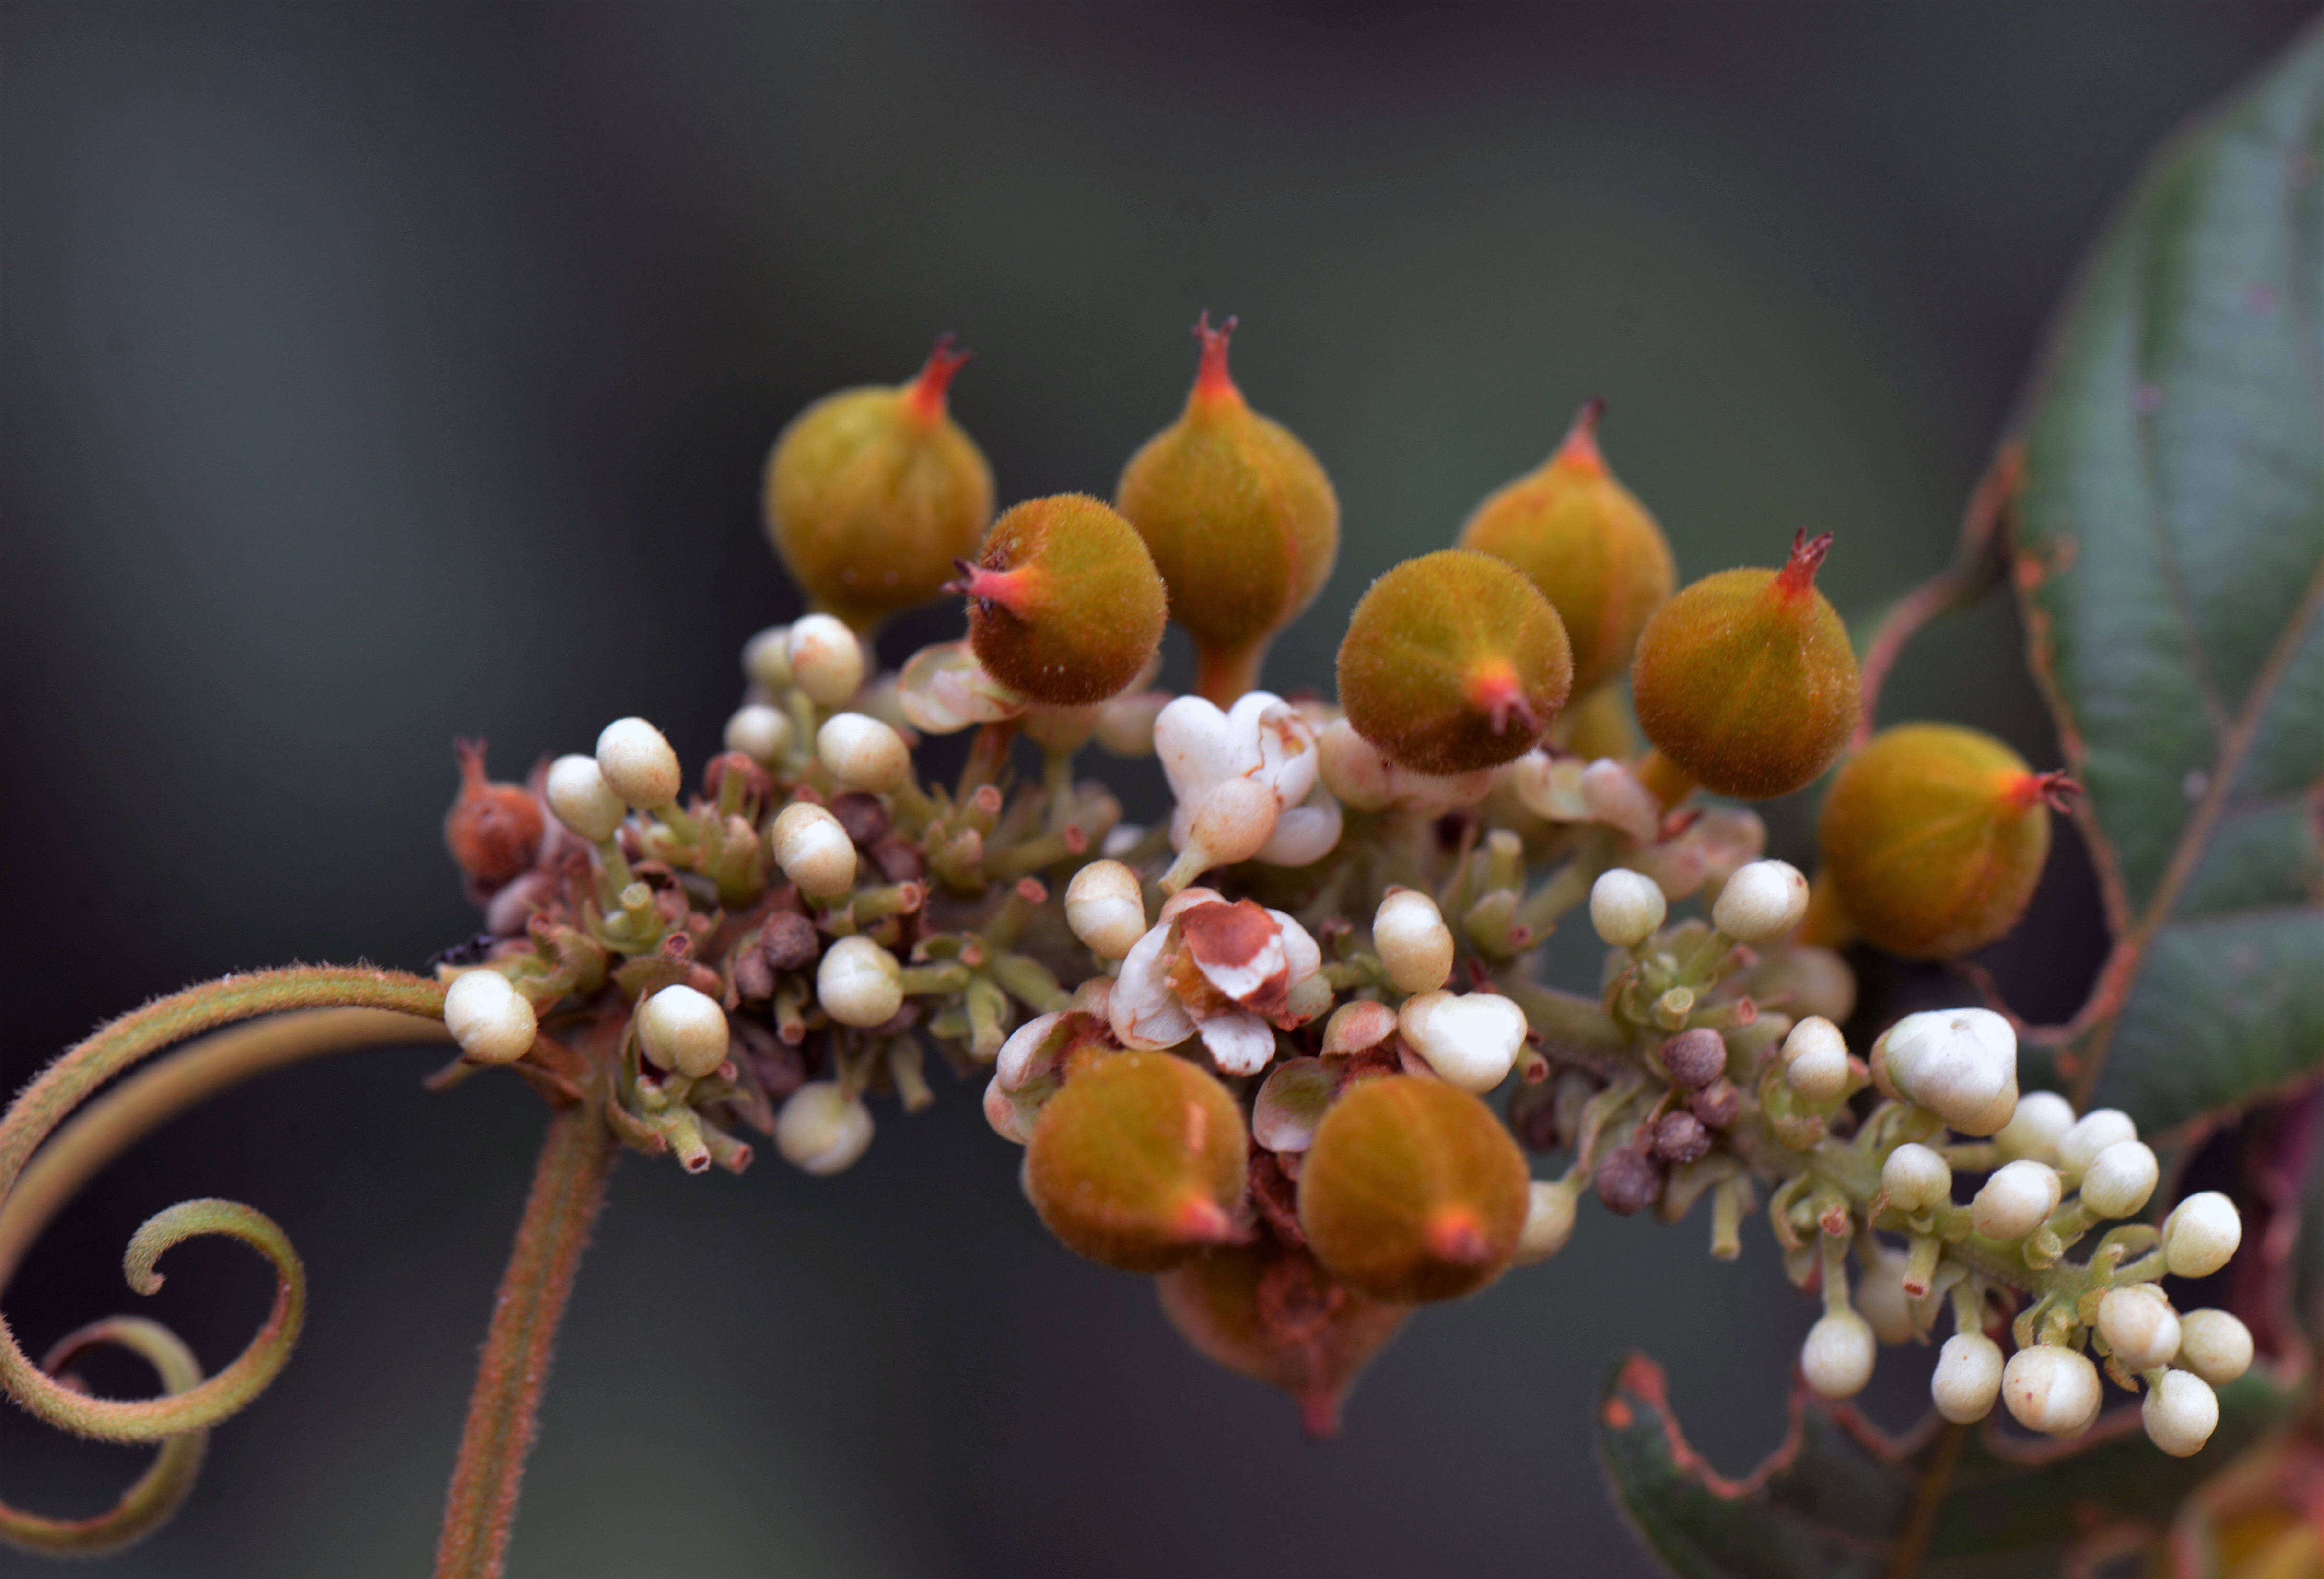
1246, 785
1227, 972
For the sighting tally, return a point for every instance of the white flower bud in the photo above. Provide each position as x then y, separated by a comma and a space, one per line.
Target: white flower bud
1548, 1224
492, 1021
1881, 1301
2122, 1178
759, 732
766, 661
2202, 1234
2181, 1412
1231, 821
1961, 1064
682, 1029
862, 753
1836, 1357
821, 1131
826, 660
2091, 1134
1916, 1178
639, 764
1815, 1060
1105, 907
582, 799
859, 982
1967, 1378
2015, 1200
1413, 940
1625, 907
2041, 1120
2214, 1346
1470, 1040
2139, 1326
813, 850
2051, 1389
1763, 899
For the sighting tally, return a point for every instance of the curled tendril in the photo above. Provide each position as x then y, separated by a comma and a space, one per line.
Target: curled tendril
157, 1493
189, 1405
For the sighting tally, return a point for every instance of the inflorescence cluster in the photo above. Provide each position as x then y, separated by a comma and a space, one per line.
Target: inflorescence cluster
1250, 1049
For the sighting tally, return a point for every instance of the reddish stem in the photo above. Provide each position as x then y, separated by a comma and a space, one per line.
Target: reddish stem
569, 1185
926, 398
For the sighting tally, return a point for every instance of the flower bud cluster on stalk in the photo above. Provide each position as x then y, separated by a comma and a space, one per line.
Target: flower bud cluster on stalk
1287, 1049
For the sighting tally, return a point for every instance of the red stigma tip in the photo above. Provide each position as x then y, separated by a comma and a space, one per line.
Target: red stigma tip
1494, 691
1455, 1237
1799, 572
2054, 789
926, 398
1202, 1221
994, 588
1578, 449
1212, 378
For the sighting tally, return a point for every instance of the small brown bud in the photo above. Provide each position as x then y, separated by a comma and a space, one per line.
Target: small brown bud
898, 862
1694, 1059
786, 941
1629, 1181
1717, 1103
860, 817
1681, 1139
493, 830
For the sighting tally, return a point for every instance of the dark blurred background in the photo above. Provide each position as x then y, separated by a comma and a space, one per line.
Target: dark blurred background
374, 373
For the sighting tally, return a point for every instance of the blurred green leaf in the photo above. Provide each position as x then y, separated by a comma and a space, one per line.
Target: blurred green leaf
2168, 546
1833, 1500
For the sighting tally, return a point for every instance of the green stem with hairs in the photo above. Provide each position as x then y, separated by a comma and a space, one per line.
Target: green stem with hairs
569, 1185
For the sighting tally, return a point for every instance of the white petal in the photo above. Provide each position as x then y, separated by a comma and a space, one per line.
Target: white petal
1615, 797
1291, 1103
1239, 982
1142, 1010
1022, 1055
1239, 1041
1300, 951
1306, 833
1193, 740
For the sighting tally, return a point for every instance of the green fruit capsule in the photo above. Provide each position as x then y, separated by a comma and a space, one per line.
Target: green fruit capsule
1933, 838
872, 493
1453, 661
1273, 1313
1746, 680
1587, 542
1242, 520
1063, 602
1138, 1161
1412, 1191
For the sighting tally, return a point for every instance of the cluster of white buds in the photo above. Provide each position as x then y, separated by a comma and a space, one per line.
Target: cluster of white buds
2050, 1177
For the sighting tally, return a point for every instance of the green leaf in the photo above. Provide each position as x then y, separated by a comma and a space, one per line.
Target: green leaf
2168, 546
1835, 1498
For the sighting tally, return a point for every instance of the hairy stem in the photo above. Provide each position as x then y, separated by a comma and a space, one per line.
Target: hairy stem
568, 1187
